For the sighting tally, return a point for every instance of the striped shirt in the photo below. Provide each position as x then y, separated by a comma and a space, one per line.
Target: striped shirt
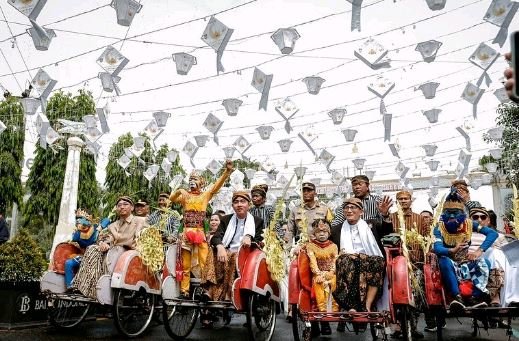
172, 224
412, 221
370, 204
265, 212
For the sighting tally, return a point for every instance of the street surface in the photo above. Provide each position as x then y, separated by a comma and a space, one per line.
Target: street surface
103, 329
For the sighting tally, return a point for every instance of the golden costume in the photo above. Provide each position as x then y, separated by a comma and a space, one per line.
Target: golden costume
322, 257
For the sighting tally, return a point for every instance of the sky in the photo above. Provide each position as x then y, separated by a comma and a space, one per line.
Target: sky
325, 48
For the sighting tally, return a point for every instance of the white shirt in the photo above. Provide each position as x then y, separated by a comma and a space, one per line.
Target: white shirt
236, 240
352, 235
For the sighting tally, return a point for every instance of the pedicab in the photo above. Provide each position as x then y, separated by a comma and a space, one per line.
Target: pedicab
400, 296
438, 302
254, 293
129, 288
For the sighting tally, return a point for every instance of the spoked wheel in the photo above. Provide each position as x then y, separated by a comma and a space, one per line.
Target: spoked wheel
299, 329
66, 313
133, 311
261, 317
180, 321
405, 323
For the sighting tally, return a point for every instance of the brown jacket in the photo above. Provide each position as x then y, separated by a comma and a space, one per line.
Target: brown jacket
124, 231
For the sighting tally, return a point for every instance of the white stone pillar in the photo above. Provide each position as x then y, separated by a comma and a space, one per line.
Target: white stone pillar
67, 218
500, 193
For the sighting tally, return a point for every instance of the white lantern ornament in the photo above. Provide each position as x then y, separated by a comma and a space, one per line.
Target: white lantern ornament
285, 145
337, 115
265, 131
313, 84
41, 37
428, 89
432, 115
428, 50
232, 105
126, 10
183, 62
349, 134
285, 39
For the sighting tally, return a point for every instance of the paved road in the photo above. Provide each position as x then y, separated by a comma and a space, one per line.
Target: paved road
103, 329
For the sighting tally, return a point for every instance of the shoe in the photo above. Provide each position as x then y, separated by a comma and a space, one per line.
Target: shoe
325, 328
457, 303
315, 329
431, 329
417, 335
341, 327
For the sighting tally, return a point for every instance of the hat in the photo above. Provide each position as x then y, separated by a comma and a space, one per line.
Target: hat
402, 193
360, 178
481, 210
460, 184
164, 195
353, 201
241, 194
453, 200
261, 189
124, 198
309, 185
141, 202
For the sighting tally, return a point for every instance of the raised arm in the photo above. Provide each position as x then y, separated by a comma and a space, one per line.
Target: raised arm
221, 180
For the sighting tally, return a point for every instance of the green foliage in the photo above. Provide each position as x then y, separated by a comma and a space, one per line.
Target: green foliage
21, 259
11, 152
45, 182
132, 181
508, 117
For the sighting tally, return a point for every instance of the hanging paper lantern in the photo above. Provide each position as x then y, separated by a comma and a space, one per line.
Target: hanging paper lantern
93, 134
90, 121
102, 114
313, 84
52, 136
491, 167
285, 145
217, 35
138, 146
161, 117
496, 153
126, 10
175, 182
30, 8
358, 163
337, 115
326, 158
112, 61
262, 82
250, 173
464, 159
172, 156
287, 109
92, 148
430, 149
300, 171
465, 135
501, 13
337, 177
214, 167
109, 82
496, 133
386, 121
428, 50
213, 124
432, 115
43, 84
152, 130
190, 149
232, 105
484, 57
370, 174
472, 94
349, 134
282, 181
229, 152
476, 182
436, 5
183, 62
428, 89
30, 105
381, 87
416, 172
394, 148
501, 95
265, 131
166, 165
355, 14
285, 39
433, 165
123, 161
201, 140
372, 53
401, 170
151, 172
41, 37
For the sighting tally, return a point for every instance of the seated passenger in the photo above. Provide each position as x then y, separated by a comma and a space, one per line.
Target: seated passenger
85, 235
235, 230
463, 273
122, 232
360, 265
322, 254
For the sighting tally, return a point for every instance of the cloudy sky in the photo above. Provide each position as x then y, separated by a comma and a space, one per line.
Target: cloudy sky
150, 83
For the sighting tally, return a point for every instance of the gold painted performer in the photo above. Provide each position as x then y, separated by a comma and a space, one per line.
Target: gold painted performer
194, 203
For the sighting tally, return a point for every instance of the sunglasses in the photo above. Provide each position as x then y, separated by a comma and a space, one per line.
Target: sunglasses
479, 216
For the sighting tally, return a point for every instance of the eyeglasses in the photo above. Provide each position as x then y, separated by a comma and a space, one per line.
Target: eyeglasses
479, 216
350, 208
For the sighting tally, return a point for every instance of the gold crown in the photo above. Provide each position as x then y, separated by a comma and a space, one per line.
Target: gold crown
322, 226
453, 204
82, 213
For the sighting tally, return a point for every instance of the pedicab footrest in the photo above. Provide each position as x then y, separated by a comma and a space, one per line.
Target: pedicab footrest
73, 297
357, 317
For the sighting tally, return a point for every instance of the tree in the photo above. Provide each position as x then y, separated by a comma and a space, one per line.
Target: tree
508, 117
45, 182
131, 181
11, 152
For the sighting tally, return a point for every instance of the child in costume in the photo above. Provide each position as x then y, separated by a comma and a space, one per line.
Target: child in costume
465, 274
85, 235
322, 254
